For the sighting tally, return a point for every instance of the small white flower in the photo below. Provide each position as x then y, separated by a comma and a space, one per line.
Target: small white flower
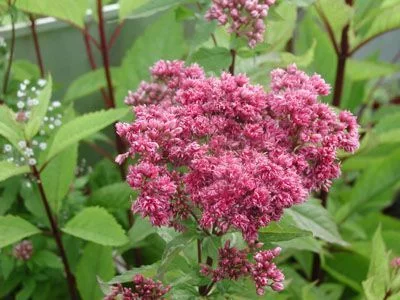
30, 102
51, 126
56, 104
51, 119
20, 94
28, 152
7, 148
59, 116
28, 184
50, 108
22, 159
26, 82
35, 142
10, 159
42, 146
20, 104
33, 89
45, 119
35, 102
32, 161
42, 82
22, 86
57, 122
22, 144
42, 132
28, 114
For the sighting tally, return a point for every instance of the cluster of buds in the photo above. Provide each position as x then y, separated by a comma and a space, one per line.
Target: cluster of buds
245, 17
28, 98
143, 288
25, 154
23, 250
395, 263
234, 264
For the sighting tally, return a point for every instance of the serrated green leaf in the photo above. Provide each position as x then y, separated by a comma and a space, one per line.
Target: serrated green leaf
284, 230
71, 11
146, 50
311, 216
96, 261
113, 197
95, 224
24, 69
14, 229
57, 184
39, 111
302, 60
358, 70
212, 59
9, 128
8, 170
82, 127
374, 181
145, 8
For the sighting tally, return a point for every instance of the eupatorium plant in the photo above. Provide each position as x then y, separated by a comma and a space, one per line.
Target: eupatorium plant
230, 154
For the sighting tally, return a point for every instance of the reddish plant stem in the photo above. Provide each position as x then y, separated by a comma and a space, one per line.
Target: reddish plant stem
37, 46
12, 50
115, 34
232, 66
92, 62
57, 235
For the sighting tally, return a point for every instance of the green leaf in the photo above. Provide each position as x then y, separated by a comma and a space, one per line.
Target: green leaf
57, 184
85, 84
24, 69
145, 8
14, 229
302, 60
378, 274
115, 196
146, 271
356, 69
306, 243
8, 170
48, 259
374, 181
284, 230
146, 50
28, 288
95, 224
212, 59
82, 127
141, 229
96, 261
338, 14
311, 216
9, 128
39, 111
71, 11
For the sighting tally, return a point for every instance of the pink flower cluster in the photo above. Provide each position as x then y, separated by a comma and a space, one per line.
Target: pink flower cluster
245, 17
143, 289
226, 150
23, 250
395, 263
234, 264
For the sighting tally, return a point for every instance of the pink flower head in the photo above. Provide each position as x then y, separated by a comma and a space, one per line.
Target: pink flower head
229, 151
23, 250
395, 263
245, 17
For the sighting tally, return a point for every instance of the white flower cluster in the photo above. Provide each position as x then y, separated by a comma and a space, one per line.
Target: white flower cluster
27, 98
25, 154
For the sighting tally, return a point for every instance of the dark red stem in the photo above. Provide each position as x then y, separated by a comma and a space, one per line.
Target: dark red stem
11, 57
232, 66
57, 236
37, 46
115, 34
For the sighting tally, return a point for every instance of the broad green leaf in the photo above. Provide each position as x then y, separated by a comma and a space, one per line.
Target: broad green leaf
374, 181
28, 288
82, 127
146, 271
202, 33
284, 230
302, 60
311, 216
141, 229
58, 175
95, 224
71, 11
358, 70
306, 243
146, 50
212, 59
9, 128
39, 111
48, 259
145, 8
96, 261
24, 69
378, 269
8, 170
338, 14
85, 84
113, 197
14, 229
